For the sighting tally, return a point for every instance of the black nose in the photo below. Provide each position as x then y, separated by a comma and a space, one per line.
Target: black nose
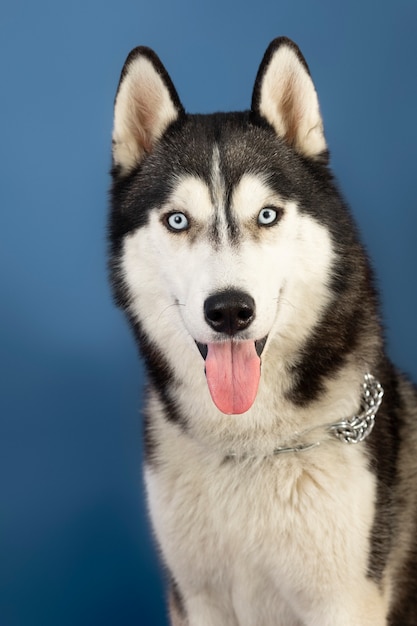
229, 311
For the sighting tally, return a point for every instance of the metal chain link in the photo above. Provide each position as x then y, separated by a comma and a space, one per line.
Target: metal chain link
358, 427
351, 430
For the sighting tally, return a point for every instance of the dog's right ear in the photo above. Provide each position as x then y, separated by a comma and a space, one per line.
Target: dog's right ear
146, 104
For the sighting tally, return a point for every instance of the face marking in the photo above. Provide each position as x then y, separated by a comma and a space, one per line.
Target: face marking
282, 267
251, 196
224, 227
217, 183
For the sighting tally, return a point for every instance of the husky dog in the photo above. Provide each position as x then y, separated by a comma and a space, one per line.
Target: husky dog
281, 443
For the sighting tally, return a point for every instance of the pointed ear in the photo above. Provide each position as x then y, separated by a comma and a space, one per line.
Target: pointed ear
146, 104
284, 95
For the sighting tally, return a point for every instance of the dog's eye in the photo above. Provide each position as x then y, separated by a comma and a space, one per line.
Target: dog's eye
269, 216
177, 221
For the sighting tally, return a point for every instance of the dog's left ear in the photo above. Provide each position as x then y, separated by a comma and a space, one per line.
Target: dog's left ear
146, 105
284, 95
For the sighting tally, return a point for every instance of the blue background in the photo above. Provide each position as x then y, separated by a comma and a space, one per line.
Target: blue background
75, 545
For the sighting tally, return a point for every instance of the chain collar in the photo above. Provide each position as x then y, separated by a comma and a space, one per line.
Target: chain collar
350, 430
358, 427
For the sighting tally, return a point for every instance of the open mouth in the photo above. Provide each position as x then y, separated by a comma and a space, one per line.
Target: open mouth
259, 347
233, 371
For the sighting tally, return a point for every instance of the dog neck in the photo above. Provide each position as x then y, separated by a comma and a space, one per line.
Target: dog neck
351, 430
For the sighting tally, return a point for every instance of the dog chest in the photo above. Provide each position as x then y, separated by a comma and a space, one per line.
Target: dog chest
286, 521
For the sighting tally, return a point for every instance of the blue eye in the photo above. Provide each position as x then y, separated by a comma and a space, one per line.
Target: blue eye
177, 221
269, 216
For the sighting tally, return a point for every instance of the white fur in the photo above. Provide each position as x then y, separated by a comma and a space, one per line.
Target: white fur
277, 539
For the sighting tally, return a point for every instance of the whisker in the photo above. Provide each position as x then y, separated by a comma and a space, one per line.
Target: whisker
169, 307
286, 302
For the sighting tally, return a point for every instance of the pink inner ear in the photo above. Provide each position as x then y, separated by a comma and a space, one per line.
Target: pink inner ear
146, 104
146, 125
285, 96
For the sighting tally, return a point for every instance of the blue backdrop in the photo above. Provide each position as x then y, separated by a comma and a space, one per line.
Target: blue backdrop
75, 545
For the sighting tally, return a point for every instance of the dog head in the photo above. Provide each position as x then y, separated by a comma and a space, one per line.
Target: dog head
221, 237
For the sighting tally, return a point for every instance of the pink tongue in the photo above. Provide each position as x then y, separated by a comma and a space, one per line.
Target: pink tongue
233, 370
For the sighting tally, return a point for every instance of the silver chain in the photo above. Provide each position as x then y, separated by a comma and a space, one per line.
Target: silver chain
358, 427
350, 430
